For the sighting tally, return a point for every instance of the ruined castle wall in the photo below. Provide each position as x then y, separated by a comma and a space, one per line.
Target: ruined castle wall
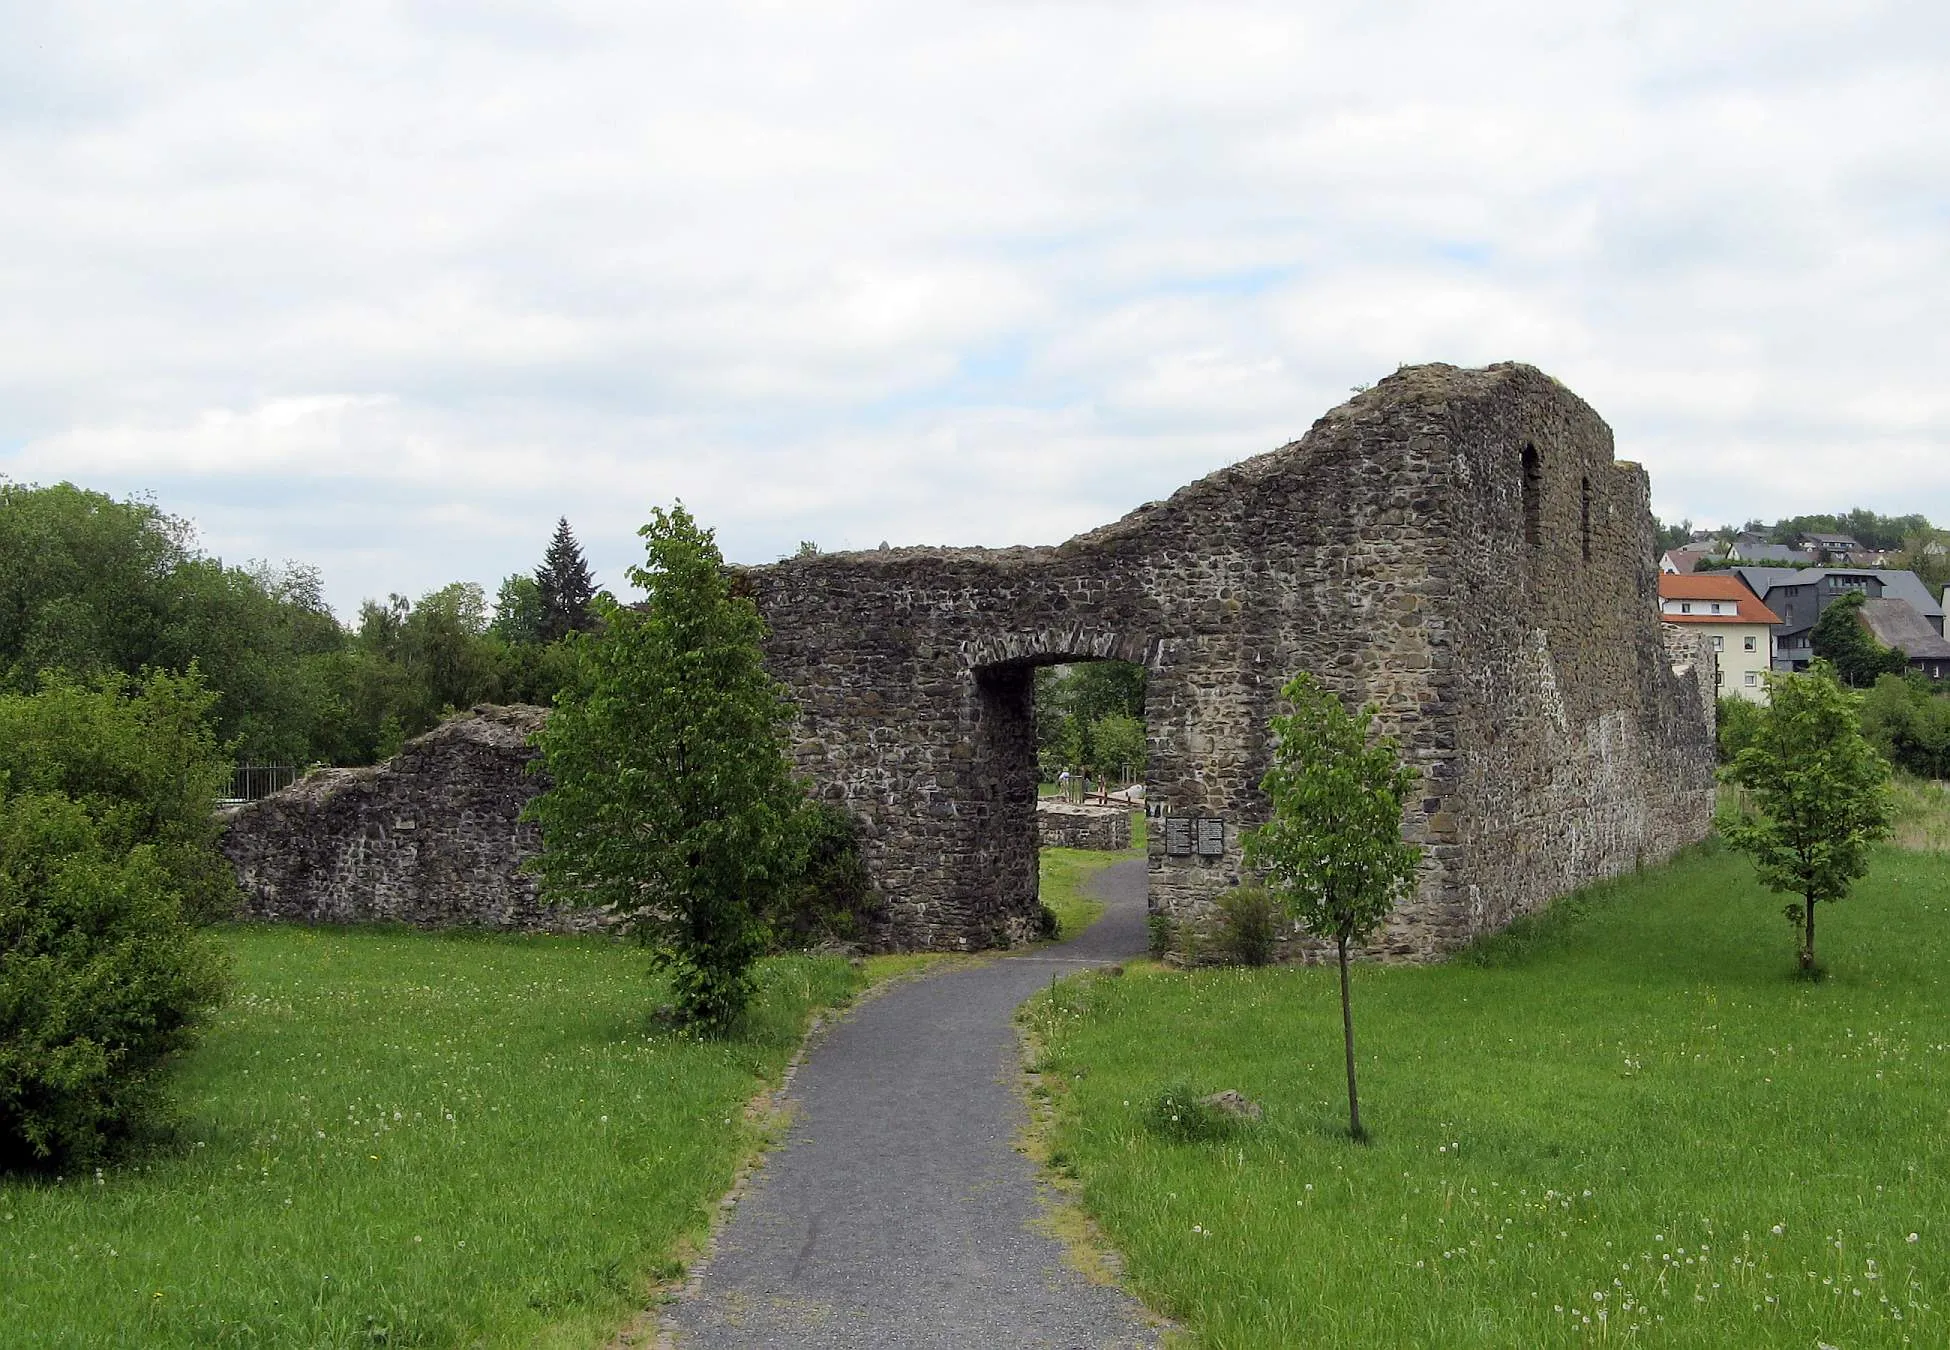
1062, 825
1499, 610
431, 838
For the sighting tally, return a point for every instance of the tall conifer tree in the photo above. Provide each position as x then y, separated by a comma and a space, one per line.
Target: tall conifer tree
566, 585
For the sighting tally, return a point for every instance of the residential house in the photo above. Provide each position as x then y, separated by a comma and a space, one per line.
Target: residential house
1752, 547
1732, 617
1895, 623
1799, 595
1831, 548
1684, 561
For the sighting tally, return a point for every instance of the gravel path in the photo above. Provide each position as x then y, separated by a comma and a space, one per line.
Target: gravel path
897, 1213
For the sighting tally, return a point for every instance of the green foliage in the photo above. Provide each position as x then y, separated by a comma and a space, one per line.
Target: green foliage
1840, 638
1077, 704
90, 586
672, 804
1158, 933
1822, 793
1332, 851
1868, 528
140, 760
1249, 924
1739, 721
101, 983
1117, 743
1178, 1114
564, 586
1909, 723
517, 611
830, 898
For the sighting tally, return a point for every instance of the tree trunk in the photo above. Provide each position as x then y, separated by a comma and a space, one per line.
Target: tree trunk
1808, 933
1347, 1033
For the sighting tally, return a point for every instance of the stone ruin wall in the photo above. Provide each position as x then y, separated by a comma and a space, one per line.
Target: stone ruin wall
430, 838
1063, 825
1502, 612
1504, 619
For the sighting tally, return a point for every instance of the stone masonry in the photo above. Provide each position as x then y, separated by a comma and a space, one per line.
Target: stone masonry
432, 837
1458, 546
1067, 825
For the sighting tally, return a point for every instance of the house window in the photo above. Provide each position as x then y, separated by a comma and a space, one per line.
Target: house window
1750, 644
1716, 606
1685, 607
1719, 644
1750, 679
1719, 677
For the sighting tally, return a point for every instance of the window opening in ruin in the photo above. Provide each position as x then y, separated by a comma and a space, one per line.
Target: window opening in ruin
1533, 497
1584, 517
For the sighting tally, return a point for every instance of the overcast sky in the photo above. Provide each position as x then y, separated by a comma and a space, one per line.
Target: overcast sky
388, 288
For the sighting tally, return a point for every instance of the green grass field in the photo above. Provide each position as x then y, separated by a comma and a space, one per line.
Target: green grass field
399, 1139
1624, 1122
1063, 872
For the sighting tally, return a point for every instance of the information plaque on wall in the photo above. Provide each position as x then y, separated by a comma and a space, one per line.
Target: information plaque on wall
1178, 836
1211, 838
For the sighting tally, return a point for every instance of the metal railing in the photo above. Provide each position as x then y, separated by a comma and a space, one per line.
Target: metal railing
249, 782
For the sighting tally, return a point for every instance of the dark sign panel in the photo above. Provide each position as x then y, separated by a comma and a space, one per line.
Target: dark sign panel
1211, 838
1178, 836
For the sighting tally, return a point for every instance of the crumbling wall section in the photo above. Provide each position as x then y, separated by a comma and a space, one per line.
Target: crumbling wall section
1457, 546
432, 837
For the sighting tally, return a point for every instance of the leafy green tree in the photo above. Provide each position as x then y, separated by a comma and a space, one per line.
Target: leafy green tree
1117, 742
672, 804
140, 760
1822, 793
517, 611
1909, 722
1738, 721
1331, 850
565, 586
1840, 638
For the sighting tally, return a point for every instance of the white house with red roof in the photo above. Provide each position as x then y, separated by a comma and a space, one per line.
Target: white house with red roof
1733, 617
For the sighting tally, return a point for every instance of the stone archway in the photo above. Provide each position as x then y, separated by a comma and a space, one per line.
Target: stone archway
1458, 546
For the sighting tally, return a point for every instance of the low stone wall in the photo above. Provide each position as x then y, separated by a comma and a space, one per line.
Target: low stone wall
1066, 825
432, 837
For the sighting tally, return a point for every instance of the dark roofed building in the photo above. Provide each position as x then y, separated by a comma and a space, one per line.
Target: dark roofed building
1799, 594
1895, 623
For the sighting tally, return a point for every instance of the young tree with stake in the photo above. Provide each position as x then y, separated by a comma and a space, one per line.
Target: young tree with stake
1823, 794
1332, 852
672, 803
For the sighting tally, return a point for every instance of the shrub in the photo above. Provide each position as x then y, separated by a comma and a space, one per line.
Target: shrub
1159, 927
1739, 723
139, 757
832, 899
1179, 1114
1248, 924
101, 981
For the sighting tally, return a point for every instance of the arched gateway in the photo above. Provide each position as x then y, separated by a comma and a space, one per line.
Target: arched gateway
1456, 545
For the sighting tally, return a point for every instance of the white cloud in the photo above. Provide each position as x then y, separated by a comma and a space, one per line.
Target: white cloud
390, 288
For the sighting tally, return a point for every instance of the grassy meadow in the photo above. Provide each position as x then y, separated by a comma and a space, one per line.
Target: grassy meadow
1625, 1121
1064, 872
394, 1138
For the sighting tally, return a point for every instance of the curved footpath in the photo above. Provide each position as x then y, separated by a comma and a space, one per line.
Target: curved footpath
898, 1212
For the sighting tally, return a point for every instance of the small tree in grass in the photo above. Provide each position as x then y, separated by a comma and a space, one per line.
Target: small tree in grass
1822, 792
672, 804
1332, 852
